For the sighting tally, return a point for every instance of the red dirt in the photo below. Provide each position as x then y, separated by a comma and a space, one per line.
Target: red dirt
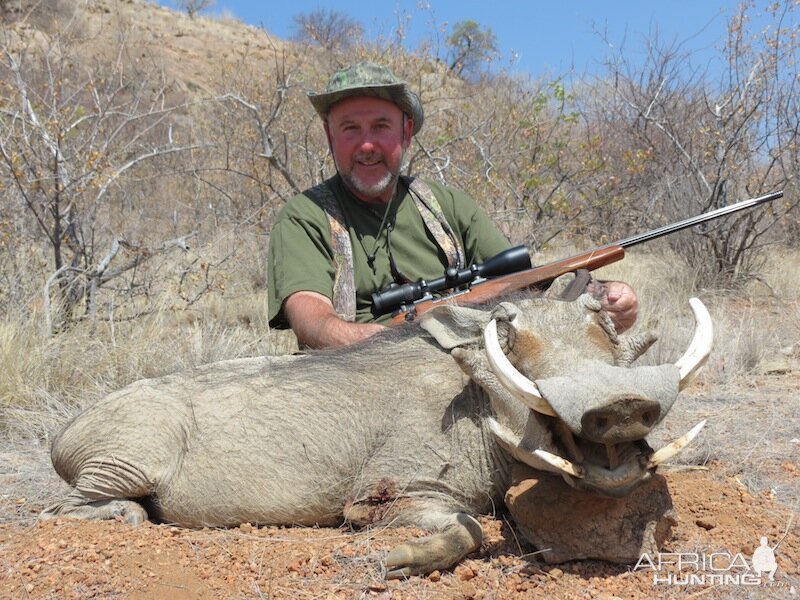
76, 559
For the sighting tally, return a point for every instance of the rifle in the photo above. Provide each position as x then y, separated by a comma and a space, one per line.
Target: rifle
511, 270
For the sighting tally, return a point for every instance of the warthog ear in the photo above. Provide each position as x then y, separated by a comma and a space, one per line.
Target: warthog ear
589, 302
453, 326
632, 347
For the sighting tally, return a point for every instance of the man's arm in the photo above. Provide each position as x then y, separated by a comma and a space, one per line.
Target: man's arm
316, 324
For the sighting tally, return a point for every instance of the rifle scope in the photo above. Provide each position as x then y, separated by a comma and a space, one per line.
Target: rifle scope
395, 296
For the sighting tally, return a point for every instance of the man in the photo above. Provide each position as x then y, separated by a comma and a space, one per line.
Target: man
367, 227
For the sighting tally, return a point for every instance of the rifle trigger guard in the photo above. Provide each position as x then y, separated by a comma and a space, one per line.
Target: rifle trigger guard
410, 312
577, 286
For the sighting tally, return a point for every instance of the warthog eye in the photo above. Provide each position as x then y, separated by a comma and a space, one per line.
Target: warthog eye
649, 417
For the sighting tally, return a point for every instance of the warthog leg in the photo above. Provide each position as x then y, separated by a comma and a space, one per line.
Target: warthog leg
99, 510
438, 551
101, 491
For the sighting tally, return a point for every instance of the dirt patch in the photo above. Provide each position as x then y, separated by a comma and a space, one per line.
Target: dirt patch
68, 558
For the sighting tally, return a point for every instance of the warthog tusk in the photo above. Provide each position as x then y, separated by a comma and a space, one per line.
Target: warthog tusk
696, 355
519, 385
673, 448
562, 464
511, 442
503, 433
613, 456
566, 438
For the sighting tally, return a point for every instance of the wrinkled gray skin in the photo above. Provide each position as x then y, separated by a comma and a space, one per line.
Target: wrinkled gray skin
392, 431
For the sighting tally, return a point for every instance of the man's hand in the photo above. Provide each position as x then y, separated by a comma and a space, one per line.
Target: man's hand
618, 300
316, 324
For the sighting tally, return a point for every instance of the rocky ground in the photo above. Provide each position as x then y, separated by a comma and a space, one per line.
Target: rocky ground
741, 483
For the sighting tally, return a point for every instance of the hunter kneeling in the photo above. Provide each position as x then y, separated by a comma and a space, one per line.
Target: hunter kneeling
368, 227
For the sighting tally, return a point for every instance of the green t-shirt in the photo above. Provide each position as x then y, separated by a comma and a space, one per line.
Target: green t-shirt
301, 251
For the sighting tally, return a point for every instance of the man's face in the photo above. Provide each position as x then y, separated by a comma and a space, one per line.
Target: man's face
368, 137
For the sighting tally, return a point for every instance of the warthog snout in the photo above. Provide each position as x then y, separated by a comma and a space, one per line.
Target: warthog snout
601, 409
624, 420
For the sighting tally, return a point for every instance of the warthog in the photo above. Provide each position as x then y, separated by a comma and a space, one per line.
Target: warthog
412, 428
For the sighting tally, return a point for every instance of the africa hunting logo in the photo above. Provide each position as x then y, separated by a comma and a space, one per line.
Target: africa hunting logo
716, 568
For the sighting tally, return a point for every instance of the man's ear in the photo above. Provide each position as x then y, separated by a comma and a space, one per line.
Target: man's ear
408, 129
328, 134
453, 326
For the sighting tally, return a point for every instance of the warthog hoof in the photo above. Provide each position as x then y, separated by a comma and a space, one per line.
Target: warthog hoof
438, 551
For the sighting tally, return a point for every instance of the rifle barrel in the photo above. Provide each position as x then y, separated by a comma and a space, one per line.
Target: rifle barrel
691, 221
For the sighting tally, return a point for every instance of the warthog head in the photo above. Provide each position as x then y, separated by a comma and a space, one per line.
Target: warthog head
591, 409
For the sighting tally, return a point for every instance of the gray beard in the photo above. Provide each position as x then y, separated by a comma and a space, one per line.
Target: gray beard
371, 191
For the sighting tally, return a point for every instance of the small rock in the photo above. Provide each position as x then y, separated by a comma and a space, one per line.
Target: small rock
556, 573
469, 590
775, 365
295, 567
464, 572
606, 596
573, 525
705, 524
435, 576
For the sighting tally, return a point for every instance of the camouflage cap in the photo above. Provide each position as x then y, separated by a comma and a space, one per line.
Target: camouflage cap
369, 79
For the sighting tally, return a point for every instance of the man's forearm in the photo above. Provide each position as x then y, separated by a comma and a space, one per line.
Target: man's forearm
316, 324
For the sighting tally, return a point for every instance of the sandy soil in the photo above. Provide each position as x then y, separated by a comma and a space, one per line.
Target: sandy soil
74, 559
747, 487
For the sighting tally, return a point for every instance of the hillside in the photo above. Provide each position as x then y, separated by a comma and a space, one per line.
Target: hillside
191, 51
173, 126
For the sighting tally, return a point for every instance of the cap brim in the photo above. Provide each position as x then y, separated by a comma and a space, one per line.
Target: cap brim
397, 93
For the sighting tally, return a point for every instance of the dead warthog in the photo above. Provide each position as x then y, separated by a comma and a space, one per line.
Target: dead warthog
412, 428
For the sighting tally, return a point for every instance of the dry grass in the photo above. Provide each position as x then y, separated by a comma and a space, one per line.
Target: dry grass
753, 328
47, 377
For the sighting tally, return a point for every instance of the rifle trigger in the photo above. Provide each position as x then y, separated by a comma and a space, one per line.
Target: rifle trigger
411, 313
577, 286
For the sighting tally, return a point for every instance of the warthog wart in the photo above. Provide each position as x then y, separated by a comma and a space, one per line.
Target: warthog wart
418, 427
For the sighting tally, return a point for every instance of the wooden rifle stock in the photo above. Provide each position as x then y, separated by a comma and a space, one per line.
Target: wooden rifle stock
540, 277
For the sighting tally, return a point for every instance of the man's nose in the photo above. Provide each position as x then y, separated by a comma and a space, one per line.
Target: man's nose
367, 142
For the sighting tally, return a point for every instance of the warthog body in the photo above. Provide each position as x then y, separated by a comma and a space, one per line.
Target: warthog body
411, 428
